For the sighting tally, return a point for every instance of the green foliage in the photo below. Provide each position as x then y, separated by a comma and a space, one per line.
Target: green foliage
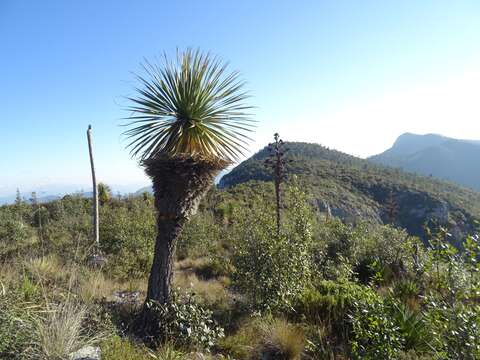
366, 251
28, 289
104, 193
184, 322
127, 235
375, 333
191, 106
127, 232
414, 329
451, 300
455, 329
406, 290
200, 237
348, 290
356, 189
272, 270
16, 235
329, 302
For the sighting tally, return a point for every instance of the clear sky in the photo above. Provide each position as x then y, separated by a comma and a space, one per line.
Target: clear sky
351, 75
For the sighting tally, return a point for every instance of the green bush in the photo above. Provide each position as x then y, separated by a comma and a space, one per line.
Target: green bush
375, 333
329, 302
272, 269
456, 328
365, 250
200, 237
16, 236
127, 236
184, 322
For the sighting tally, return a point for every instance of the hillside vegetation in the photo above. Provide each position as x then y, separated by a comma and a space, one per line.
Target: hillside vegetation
355, 189
319, 289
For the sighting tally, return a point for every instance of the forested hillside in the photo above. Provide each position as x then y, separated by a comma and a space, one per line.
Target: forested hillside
356, 189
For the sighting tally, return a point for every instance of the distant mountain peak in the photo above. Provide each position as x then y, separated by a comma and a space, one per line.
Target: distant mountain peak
436, 155
409, 143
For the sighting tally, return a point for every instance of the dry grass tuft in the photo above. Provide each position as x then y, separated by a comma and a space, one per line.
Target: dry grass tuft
281, 341
95, 286
117, 348
9, 275
60, 332
210, 291
191, 264
46, 268
266, 338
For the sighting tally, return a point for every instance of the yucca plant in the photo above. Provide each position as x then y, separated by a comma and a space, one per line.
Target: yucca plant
188, 121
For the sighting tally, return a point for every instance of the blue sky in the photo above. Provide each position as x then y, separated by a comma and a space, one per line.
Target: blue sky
352, 75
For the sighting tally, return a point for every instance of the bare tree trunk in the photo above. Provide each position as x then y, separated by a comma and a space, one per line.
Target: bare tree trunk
95, 191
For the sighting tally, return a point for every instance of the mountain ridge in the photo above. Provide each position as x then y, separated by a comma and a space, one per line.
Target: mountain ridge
356, 189
435, 155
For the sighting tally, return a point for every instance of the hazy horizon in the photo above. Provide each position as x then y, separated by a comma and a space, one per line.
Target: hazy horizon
52, 188
351, 76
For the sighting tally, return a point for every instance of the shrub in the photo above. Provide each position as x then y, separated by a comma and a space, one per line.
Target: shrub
456, 328
413, 328
127, 235
375, 334
408, 292
16, 236
200, 236
329, 303
272, 269
373, 251
184, 322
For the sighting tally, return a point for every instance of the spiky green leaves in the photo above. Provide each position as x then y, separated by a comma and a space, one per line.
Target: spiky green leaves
190, 106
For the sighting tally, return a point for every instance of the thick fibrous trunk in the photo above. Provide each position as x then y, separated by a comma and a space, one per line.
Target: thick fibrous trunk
159, 282
179, 183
